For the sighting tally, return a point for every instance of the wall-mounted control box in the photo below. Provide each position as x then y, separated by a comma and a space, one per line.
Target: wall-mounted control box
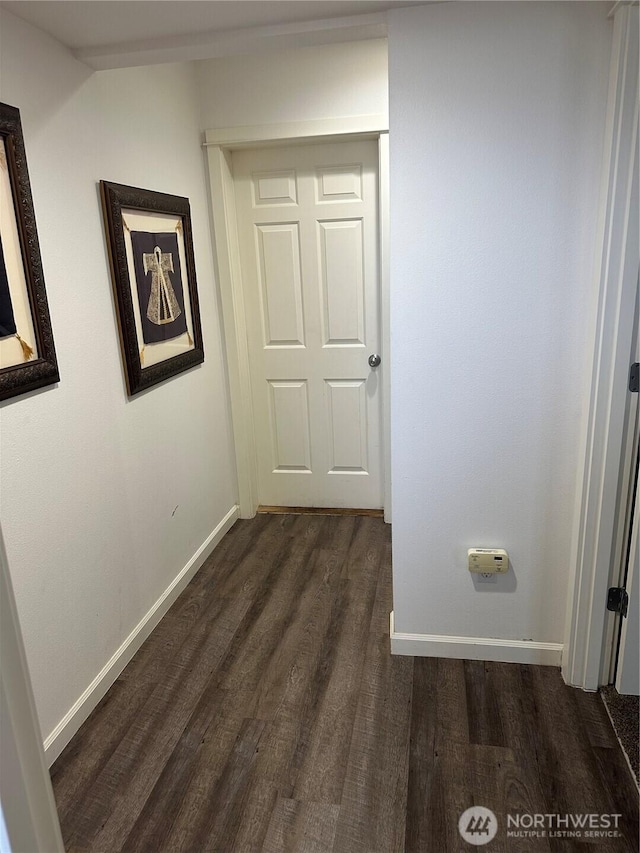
488, 560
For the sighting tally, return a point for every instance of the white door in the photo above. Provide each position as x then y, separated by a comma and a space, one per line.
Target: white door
627, 679
308, 237
628, 670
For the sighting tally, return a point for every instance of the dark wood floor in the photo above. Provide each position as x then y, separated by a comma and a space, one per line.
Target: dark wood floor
265, 713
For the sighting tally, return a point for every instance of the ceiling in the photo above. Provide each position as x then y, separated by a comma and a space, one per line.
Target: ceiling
94, 28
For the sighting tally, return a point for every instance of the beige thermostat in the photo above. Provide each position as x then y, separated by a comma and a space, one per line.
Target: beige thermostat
488, 560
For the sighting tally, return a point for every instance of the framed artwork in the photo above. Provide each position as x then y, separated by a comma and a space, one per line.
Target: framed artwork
154, 280
27, 354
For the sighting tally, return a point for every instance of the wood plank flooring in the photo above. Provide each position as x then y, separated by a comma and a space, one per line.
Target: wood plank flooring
265, 714
317, 510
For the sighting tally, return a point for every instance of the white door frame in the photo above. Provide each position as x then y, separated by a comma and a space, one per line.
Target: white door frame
585, 654
28, 816
219, 144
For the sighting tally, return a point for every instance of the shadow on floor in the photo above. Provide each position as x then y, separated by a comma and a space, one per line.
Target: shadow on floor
625, 716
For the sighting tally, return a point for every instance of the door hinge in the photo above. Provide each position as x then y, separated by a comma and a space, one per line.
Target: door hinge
634, 377
618, 600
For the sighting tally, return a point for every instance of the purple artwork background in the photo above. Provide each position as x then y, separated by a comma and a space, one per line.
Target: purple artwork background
145, 242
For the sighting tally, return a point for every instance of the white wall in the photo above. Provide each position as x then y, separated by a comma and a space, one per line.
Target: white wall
294, 85
104, 499
496, 128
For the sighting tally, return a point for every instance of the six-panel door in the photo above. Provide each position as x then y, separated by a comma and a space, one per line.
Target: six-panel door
308, 235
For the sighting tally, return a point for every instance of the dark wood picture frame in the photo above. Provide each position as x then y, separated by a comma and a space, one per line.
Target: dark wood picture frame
116, 200
37, 365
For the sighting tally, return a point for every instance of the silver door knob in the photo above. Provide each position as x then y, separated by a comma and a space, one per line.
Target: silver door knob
374, 360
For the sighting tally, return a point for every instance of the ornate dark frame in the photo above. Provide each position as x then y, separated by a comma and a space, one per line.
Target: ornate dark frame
43, 370
115, 197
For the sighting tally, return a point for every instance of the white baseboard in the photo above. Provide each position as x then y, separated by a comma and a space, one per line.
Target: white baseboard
474, 648
55, 742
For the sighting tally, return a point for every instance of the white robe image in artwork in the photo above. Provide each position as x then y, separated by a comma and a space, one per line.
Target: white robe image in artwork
163, 305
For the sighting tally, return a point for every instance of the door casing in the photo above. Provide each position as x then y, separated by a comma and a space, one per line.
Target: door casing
586, 651
219, 144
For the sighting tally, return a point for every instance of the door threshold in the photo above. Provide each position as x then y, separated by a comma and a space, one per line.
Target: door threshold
320, 510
